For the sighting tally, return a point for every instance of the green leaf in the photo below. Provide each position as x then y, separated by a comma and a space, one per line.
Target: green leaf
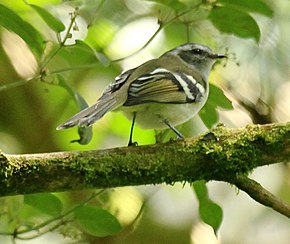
200, 189
210, 212
231, 20
85, 133
79, 53
97, 221
256, 6
45, 202
53, 22
209, 115
216, 98
12, 22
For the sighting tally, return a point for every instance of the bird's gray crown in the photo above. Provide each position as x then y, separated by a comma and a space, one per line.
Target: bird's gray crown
196, 56
190, 51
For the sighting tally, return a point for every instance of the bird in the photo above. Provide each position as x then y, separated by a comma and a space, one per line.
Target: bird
161, 93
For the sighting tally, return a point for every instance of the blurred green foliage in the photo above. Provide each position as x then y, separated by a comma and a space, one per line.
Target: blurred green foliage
58, 56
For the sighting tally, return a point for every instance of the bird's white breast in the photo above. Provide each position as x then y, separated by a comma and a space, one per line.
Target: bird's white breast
152, 115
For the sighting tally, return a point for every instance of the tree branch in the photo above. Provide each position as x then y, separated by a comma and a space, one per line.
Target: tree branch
220, 155
260, 194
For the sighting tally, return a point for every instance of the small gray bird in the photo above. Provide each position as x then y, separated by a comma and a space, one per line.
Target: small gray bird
158, 94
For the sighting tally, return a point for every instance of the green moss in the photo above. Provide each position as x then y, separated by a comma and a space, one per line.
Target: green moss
226, 154
4, 169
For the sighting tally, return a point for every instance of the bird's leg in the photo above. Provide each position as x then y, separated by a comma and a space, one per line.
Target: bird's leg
131, 131
179, 135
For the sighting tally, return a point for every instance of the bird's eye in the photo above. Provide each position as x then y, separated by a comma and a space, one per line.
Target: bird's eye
197, 51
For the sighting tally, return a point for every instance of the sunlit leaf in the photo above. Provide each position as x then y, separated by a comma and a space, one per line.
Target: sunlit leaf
13, 22
97, 221
210, 212
105, 30
256, 6
78, 54
231, 20
45, 202
53, 22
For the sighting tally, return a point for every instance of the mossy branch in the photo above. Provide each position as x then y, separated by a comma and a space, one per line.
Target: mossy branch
222, 154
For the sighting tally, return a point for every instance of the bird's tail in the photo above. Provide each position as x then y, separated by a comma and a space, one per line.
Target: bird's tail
91, 114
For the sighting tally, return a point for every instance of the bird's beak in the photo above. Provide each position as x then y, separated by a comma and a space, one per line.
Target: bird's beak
218, 56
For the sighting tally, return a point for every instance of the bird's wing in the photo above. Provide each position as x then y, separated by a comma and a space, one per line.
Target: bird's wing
163, 86
157, 85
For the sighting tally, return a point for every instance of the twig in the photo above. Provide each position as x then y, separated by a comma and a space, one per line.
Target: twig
260, 194
17, 83
66, 36
161, 26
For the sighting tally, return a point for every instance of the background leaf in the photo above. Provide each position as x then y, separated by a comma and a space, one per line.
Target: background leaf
79, 53
256, 6
97, 221
12, 22
45, 202
210, 212
232, 20
209, 115
53, 22
217, 98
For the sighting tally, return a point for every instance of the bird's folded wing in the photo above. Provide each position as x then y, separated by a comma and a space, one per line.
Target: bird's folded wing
160, 86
